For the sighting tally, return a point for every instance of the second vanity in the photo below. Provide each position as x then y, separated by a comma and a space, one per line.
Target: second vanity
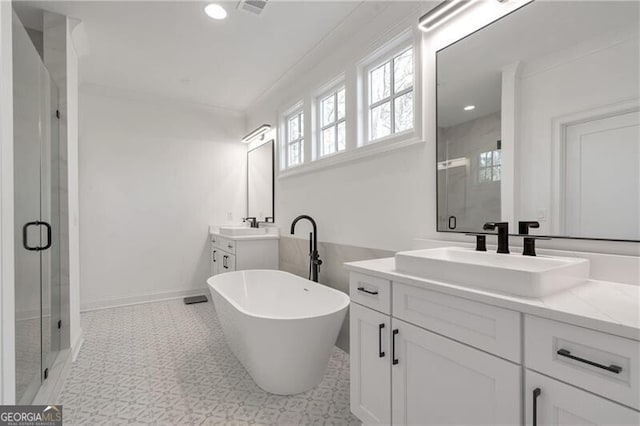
235, 248
432, 353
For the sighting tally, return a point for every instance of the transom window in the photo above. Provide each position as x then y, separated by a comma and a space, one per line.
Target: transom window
332, 133
391, 96
295, 138
490, 166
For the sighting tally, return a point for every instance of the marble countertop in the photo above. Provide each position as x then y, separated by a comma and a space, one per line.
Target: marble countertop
272, 234
609, 307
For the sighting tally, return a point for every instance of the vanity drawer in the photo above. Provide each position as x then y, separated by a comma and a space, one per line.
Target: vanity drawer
225, 244
369, 291
601, 363
492, 329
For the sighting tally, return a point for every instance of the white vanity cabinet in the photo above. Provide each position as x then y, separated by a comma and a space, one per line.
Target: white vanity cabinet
242, 253
402, 373
421, 356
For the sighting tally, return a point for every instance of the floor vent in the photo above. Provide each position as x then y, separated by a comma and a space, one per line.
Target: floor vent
252, 6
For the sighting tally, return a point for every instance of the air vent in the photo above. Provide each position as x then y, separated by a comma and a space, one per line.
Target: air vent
252, 6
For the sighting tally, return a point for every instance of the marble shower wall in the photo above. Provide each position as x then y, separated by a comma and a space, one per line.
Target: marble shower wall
294, 258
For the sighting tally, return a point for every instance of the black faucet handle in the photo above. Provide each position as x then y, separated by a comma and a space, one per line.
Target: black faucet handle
529, 245
481, 240
490, 226
524, 226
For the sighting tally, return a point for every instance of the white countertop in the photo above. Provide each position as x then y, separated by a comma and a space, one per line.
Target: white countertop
273, 233
609, 307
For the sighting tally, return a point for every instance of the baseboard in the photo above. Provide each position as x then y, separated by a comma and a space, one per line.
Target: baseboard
138, 300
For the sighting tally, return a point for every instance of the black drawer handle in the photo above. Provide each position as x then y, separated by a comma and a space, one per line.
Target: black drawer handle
380, 351
393, 347
536, 394
612, 368
367, 291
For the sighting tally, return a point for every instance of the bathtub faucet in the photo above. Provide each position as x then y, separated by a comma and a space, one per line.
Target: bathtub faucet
314, 256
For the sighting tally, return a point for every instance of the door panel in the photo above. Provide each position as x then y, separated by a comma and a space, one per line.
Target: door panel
602, 178
370, 365
437, 381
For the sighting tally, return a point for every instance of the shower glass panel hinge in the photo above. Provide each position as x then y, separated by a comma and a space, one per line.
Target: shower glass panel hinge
59, 323
46, 373
58, 114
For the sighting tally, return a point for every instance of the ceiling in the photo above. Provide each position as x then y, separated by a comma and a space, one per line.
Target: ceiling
469, 71
172, 49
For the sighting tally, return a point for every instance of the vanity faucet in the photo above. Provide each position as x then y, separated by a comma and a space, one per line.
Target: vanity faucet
524, 226
503, 235
253, 222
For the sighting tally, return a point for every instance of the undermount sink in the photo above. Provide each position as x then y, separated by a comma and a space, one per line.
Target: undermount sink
236, 231
528, 276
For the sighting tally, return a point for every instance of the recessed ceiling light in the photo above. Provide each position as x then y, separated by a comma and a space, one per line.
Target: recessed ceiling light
215, 11
469, 107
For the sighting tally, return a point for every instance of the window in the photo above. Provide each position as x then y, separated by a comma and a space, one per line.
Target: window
295, 138
391, 96
332, 133
490, 166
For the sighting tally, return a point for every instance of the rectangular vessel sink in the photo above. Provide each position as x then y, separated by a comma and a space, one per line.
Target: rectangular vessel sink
236, 231
528, 276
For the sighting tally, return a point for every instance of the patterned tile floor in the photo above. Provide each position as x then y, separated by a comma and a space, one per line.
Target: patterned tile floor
166, 363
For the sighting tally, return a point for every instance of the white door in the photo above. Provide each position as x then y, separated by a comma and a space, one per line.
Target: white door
437, 381
370, 365
602, 178
559, 404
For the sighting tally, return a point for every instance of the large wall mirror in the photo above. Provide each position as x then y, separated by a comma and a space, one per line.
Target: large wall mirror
538, 118
260, 183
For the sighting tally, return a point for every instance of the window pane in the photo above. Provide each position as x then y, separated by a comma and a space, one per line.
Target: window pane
381, 121
404, 112
380, 82
301, 122
403, 71
328, 110
497, 157
328, 144
342, 137
341, 104
294, 153
497, 173
293, 128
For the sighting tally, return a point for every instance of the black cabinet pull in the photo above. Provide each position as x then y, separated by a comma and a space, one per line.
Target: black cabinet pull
364, 290
536, 394
393, 346
612, 368
214, 256
380, 351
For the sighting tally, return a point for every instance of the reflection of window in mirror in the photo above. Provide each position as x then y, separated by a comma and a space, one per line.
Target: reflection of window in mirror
490, 166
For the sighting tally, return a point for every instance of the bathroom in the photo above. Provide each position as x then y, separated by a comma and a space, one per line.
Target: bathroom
403, 154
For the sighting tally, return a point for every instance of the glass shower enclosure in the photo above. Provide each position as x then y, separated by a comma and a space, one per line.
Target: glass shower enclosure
36, 217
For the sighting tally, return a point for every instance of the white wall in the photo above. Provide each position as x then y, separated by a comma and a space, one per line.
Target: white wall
7, 278
153, 175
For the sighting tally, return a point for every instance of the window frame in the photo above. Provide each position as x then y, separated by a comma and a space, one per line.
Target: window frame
491, 167
388, 54
329, 90
296, 110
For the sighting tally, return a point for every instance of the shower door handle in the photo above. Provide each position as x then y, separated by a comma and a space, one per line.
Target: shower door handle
25, 236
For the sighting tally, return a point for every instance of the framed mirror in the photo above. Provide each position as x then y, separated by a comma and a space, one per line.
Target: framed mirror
260, 181
538, 119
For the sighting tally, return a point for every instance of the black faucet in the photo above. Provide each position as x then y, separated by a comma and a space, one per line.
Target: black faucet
268, 219
503, 235
523, 227
314, 257
252, 221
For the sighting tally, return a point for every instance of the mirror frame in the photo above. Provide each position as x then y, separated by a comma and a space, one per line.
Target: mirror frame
273, 177
435, 85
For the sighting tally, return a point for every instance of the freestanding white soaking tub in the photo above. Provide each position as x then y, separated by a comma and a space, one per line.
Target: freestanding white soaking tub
281, 327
